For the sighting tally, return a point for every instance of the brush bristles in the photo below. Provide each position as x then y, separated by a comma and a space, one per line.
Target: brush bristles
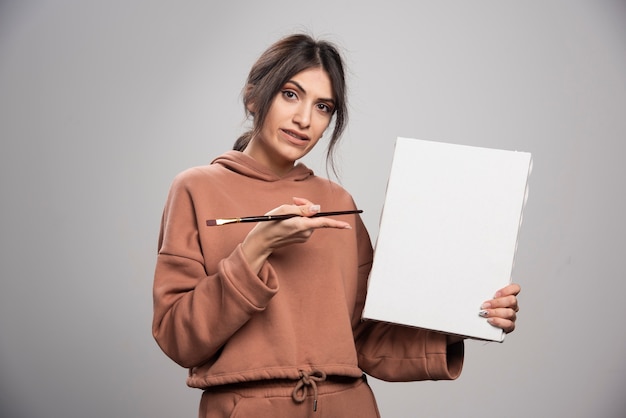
218, 222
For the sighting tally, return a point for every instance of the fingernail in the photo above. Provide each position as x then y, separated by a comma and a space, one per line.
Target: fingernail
483, 313
314, 208
485, 305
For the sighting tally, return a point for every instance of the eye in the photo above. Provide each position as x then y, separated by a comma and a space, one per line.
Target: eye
289, 94
325, 108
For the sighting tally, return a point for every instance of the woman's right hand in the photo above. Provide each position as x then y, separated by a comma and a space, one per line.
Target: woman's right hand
265, 237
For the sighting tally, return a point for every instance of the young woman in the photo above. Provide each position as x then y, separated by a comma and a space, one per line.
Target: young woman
267, 316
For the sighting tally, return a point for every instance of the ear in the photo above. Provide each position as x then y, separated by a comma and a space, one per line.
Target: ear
251, 108
247, 97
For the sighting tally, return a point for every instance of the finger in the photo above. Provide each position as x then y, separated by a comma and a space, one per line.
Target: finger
306, 207
501, 302
300, 201
323, 222
501, 313
500, 318
504, 324
512, 289
284, 210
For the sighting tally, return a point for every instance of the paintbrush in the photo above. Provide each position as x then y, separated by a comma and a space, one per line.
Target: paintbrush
224, 221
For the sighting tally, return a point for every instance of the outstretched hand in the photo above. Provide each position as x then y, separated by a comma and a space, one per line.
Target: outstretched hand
265, 237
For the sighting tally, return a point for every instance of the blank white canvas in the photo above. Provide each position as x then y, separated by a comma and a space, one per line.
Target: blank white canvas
448, 235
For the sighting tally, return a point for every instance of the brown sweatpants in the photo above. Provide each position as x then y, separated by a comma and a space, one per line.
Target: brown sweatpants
273, 399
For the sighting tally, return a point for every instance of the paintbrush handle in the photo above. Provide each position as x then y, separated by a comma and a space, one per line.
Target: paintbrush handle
339, 212
265, 218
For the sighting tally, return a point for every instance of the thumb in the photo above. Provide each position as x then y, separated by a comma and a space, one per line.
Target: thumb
307, 208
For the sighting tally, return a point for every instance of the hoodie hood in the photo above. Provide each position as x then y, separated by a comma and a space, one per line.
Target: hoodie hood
247, 166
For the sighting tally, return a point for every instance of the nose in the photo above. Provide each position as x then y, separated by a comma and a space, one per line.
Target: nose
302, 116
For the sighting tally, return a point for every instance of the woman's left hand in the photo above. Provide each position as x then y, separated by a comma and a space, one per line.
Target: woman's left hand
501, 311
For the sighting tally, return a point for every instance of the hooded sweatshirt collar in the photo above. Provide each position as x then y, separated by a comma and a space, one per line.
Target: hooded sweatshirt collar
247, 166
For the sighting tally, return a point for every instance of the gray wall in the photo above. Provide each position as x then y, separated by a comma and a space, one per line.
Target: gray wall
102, 103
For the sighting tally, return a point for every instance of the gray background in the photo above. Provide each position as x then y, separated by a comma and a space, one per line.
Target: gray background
102, 103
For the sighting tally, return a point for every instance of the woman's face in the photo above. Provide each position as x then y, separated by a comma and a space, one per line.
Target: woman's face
297, 119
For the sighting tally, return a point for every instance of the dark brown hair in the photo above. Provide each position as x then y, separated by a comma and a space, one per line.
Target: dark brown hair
280, 62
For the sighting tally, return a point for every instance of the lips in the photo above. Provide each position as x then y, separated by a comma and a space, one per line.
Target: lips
293, 135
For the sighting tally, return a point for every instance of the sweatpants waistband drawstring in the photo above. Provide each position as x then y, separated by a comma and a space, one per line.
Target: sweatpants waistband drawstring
308, 379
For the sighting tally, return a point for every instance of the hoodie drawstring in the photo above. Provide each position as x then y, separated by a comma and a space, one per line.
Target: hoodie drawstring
308, 379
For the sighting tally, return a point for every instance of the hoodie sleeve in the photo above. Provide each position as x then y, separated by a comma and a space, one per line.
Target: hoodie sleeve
195, 313
399, 353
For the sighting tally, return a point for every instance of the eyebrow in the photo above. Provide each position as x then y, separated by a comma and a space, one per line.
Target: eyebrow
304, 91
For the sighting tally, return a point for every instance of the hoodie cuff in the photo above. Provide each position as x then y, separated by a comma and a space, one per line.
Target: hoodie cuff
257, 290
444, 362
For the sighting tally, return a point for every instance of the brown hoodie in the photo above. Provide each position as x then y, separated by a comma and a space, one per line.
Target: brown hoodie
301, 313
